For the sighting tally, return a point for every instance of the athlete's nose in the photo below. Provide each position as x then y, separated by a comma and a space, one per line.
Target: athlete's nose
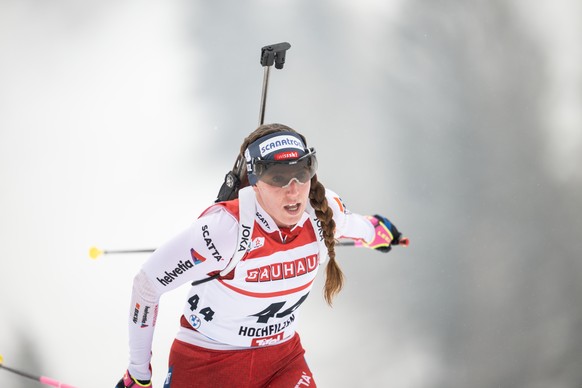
293, 185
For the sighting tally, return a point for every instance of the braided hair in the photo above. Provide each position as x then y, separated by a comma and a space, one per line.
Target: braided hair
334, 277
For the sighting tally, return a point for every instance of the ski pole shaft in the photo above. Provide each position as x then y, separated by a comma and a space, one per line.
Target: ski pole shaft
41, 379
95, 252
404, 241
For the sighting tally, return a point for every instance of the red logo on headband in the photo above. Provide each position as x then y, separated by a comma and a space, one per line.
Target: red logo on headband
287, 155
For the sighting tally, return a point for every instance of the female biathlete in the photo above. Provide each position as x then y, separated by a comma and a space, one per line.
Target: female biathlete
252, 261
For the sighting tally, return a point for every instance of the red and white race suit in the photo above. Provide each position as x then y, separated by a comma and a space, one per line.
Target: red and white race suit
256, 304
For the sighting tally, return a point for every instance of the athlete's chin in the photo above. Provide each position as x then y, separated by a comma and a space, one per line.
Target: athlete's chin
290, 220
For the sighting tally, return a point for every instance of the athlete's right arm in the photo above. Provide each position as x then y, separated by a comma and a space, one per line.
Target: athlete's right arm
205, 247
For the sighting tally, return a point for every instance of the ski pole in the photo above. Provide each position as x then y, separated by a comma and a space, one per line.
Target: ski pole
95, 252
41, 379
404, 241
272, 54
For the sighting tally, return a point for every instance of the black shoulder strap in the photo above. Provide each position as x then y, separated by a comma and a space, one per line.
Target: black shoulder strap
232, 181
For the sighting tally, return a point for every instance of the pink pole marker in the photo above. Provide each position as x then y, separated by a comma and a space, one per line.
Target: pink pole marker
41, 379
53, 383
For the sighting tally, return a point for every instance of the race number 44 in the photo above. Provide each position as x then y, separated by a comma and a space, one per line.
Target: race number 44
206, 312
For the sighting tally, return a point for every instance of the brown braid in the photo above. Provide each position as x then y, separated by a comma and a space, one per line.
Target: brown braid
334, 277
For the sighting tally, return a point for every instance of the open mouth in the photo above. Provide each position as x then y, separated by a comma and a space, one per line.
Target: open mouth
292, 208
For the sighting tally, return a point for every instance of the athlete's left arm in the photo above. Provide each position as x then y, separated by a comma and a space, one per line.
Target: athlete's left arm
375, 232
347, 224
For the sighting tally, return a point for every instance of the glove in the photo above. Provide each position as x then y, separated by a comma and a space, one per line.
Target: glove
128, 381
386, 235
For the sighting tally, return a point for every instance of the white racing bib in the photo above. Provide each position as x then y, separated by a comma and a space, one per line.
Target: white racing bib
258, 305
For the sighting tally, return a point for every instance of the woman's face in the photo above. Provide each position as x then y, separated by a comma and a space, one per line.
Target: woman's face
284, 204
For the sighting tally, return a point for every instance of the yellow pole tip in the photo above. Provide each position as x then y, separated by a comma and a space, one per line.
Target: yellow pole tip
1, 359
95, 252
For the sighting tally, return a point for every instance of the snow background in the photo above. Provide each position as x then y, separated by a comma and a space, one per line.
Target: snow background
461, 122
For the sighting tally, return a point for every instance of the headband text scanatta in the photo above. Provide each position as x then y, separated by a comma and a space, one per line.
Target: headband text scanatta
279, 142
